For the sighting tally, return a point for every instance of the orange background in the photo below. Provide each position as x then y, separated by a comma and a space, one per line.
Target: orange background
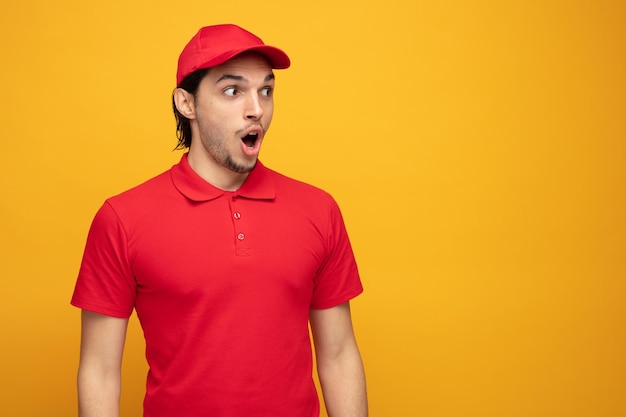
476, 148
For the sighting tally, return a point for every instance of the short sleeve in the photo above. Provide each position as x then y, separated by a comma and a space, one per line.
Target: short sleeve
105, 283
338, 279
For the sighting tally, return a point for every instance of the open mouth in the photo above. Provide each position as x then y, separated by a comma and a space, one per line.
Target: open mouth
250, 139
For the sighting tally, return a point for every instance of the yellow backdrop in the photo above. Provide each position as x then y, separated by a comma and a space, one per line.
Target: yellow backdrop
477, 150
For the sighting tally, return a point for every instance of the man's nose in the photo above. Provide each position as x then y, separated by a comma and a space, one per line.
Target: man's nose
254, 109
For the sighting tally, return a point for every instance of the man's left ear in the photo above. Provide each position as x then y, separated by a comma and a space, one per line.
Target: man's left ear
184, 101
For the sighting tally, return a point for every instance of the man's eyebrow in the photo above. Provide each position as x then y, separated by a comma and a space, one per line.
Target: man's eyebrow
240, 78
230, 77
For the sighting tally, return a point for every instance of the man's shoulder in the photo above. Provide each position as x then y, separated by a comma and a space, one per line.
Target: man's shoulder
297, 188
152, 188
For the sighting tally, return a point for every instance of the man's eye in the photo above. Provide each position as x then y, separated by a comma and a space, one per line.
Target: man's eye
267, 91
230, 91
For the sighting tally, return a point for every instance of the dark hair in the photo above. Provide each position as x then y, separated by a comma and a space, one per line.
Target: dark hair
183, 126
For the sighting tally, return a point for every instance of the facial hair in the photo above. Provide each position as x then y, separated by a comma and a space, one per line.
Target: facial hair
214, 140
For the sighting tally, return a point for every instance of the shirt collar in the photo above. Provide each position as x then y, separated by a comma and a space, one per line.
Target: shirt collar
258, 185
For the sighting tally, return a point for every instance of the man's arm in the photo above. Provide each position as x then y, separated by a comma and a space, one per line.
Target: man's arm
339, 364
99, 371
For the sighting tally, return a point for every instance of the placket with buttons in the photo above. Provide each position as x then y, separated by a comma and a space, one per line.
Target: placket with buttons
242, 247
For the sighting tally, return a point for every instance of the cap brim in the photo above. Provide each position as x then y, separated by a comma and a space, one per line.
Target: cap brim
277, 58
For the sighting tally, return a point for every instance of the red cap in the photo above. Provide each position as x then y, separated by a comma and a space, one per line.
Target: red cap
214, 45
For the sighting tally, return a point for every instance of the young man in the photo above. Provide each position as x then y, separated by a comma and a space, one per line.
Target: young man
225, 262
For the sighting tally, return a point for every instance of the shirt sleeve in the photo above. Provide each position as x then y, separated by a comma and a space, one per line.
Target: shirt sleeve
338, 279
105, 283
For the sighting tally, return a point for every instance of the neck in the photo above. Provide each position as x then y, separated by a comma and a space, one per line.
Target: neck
216, 175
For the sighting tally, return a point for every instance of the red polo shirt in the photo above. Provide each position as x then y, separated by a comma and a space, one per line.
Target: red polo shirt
222, 283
